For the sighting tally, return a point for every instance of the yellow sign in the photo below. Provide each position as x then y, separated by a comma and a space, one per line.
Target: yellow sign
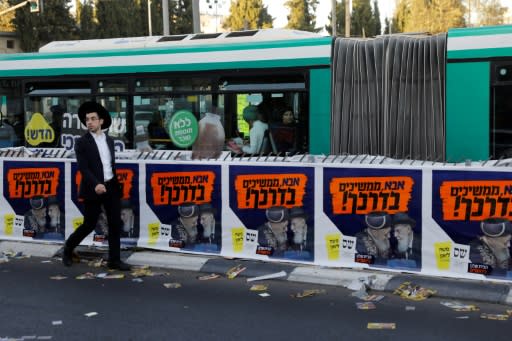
38, 130
8, 223
153, 233
332, 242
77, 222
443, 253
237, 235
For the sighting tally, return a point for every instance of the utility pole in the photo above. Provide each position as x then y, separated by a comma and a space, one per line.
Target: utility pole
347, 18
195, 16
333, 18
149, 18
165, 16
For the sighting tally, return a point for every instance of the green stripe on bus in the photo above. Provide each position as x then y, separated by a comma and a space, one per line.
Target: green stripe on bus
480, 53
479, 31
324, 61
171, 50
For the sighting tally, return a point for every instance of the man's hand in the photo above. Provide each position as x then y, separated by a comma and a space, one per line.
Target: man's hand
100, 189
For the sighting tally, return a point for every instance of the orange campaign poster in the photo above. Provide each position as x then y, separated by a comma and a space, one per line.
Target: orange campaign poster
361, 195
476, 200
32, 182
176, 188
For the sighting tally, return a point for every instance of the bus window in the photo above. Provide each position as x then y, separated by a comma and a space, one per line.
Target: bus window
117, 107
153, 113
11, 112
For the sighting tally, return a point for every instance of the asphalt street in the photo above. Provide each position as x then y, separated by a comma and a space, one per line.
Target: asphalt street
34, 306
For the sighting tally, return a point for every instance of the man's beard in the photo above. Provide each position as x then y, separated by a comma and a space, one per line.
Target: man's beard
403, 244
40, 218
208, 230
502, 256
382, 246
192, 232
298, 236
54, 221
280, 236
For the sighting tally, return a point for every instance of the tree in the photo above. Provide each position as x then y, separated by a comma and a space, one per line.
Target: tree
38, 29
362, 19
340, 19
87, 24
302, 15
181, 21
6, 19
491, 12
433, 16
376, 19
247, 15
119, 18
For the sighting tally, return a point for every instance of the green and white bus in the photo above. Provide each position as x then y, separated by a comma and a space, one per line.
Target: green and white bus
144, 80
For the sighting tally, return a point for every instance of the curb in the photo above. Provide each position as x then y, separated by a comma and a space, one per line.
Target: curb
452, 288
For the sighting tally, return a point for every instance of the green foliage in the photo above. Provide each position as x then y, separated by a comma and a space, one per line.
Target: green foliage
362, 20
340, 19
6, 19
181, 20
247, 15
377, 26
85, 15
38, 29
491, 12
433, 16
302, 15
117, 19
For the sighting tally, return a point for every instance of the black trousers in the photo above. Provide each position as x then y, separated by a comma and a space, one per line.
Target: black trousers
111, 201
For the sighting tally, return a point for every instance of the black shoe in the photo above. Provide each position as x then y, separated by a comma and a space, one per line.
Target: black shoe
119, 265
67, 257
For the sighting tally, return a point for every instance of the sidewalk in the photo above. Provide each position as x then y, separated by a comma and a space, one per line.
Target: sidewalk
461, 289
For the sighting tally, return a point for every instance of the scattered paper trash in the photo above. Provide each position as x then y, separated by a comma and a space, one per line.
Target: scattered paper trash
96, 263
101, 275
360, 293
87, 275
414, 292
410, 308
44, 337
4, 259
58, 277
379, 325
269, 276
309, 293
462, 317
208, 277
259, 287
235, 271
264, 294
373, 298
137, 280
114, 276
497, 317
509, 312
142, 272
46, 261
460, 307
172, 285
365, 305
91, 314
56, 323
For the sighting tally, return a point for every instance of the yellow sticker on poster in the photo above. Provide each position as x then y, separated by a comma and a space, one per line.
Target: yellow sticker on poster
443, 254
237, 235
153, 233
332, 243
8, 223
77, 222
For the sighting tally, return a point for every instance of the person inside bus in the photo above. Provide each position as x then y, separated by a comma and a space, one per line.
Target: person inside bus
16, 122
54, 118
284, 134
258, 132
158, 137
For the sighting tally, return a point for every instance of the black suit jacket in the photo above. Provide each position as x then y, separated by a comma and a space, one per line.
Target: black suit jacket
89, 164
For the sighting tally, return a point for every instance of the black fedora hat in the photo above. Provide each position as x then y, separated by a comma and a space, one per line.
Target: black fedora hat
297, 212
207, 208
53, 200
88, 107
37, 202
403, 218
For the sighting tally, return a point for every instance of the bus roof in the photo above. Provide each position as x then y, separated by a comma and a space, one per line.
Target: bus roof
178, 40
234, 50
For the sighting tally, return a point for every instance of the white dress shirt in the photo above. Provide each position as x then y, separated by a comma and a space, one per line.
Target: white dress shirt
106, 158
